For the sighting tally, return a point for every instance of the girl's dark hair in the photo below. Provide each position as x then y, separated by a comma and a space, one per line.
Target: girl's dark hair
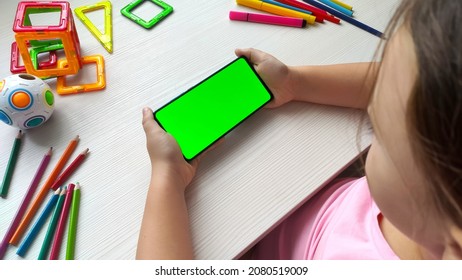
434, 109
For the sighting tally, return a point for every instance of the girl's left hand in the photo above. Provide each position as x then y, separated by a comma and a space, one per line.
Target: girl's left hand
165, 154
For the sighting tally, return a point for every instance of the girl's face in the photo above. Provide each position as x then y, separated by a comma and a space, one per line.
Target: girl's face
395, 181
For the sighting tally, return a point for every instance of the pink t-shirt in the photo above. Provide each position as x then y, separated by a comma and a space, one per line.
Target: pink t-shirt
339, 223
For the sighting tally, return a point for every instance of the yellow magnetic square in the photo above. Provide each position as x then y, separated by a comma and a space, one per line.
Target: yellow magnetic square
100, 84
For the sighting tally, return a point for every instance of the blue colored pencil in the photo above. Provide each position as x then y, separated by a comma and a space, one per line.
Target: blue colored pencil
345, 17
337, 7
287, 6
43, 255
25, 244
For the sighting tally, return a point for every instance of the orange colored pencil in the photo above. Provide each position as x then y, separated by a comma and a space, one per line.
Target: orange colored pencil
61, 162
44, 191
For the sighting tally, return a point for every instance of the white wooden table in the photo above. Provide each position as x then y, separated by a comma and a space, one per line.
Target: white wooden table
265, 169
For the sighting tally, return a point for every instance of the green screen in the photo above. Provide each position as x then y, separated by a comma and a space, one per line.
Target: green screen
206, 112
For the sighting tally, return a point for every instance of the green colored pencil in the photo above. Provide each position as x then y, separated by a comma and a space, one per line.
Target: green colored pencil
52, 226
73, 223
11, 164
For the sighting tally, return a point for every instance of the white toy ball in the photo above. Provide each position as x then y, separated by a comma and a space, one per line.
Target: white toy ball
25, 101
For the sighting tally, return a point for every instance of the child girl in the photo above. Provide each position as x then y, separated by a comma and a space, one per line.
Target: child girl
409, 204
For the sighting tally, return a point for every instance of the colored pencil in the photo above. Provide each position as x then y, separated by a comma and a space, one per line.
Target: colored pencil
345, 18
70, 169
74, 215
283, 5
37, 226
61, 162
11, 164
346, 6
316, 11
25, 201
57, 240
337, 7
52, 226
38, 200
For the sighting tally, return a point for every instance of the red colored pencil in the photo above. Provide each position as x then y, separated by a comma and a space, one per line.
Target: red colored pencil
25, 202
58, 238
316, 11
69, 170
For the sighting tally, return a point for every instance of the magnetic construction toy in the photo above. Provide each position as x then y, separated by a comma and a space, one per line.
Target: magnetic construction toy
62, 88
106, 38
32, 40
166, 10
26, 33
15, 68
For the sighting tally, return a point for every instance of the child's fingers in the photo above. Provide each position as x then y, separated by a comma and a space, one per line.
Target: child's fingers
149, 124
242, 52
255, 56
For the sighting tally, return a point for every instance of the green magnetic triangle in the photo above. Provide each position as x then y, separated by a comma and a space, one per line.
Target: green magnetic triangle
106, 38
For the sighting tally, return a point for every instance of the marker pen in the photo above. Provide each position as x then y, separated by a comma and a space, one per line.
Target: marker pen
346, 6
318, 13
345, 18
267, 19
277, 10
337, 7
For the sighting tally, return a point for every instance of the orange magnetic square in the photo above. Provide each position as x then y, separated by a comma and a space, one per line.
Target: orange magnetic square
62, 88
69, 50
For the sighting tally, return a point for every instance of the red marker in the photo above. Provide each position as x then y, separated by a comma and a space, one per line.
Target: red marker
267, 19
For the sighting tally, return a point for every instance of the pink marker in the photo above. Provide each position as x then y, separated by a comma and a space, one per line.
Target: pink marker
267, 19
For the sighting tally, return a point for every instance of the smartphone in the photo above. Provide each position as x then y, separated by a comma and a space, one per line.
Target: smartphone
206, 112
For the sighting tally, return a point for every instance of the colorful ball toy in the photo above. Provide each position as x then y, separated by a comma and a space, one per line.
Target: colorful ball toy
25, 101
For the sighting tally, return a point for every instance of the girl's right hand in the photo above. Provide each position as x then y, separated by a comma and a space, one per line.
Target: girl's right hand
275, 74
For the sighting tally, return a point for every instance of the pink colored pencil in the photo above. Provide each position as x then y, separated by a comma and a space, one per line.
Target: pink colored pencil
58, 238
25, 202
69, 170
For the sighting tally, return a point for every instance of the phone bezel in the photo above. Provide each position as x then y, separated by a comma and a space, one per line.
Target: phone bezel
203, 81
